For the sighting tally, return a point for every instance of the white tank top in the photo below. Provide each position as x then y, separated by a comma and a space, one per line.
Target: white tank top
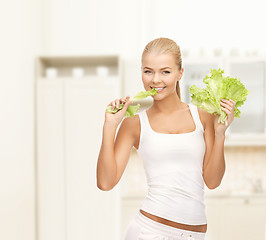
173, 167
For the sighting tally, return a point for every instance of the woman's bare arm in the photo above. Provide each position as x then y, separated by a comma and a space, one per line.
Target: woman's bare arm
106, 165
114, 153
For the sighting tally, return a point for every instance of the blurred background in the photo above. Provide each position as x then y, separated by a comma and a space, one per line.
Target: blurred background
64, 61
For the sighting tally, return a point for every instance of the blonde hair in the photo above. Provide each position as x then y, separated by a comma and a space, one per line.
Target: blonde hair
165, 46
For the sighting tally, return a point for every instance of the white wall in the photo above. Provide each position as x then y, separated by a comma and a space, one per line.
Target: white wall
126, 26
88, 27
19, 42
210, 24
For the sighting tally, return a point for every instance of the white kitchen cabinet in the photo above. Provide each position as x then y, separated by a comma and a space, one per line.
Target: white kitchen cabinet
236, 217
130, 207
250, 128
194, 72
252, 75
213, 212
243, 218
50, 160
69, 120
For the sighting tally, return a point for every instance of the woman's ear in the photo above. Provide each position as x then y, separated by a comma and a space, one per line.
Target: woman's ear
181, 73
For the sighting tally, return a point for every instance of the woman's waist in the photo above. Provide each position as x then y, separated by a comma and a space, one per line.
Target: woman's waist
195, 228
176, 209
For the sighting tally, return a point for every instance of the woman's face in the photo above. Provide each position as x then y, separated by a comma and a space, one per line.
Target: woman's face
160, 71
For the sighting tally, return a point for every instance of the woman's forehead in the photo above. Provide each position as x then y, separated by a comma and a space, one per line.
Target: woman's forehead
158, 60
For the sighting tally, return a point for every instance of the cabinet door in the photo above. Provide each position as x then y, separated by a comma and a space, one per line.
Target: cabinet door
243, 219
194, 73
213, 214
252, 117
50, 160
91, 213
130, 207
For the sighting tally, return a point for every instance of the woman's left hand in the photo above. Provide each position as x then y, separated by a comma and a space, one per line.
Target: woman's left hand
228, 107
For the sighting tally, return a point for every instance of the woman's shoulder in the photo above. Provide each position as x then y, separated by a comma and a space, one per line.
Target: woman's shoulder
132, 126
205, 116
132, 123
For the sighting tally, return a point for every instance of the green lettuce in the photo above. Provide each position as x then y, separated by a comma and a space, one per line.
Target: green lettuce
132, 109
219, 87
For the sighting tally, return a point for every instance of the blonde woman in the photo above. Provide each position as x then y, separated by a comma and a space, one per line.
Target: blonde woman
181, 146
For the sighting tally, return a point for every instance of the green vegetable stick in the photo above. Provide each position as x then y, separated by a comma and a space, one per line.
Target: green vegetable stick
219, 87
132, 110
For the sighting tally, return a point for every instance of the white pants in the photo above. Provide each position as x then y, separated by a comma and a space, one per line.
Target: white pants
144, 228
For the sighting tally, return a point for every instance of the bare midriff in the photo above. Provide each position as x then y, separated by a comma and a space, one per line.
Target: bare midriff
195, 228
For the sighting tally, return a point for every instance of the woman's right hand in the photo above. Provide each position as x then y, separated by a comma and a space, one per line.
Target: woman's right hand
116, 118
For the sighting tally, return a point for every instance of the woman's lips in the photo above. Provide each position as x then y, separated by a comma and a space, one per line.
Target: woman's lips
160, 90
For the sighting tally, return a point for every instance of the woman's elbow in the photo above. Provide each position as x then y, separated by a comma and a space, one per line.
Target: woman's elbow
104, 187
212, 186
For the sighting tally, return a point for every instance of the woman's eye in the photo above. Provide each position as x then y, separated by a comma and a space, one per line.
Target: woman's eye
166, 72
147, 71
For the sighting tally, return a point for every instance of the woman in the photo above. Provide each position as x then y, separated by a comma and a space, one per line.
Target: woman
181, 146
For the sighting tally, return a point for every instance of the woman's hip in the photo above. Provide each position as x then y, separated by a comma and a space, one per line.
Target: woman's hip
144, 228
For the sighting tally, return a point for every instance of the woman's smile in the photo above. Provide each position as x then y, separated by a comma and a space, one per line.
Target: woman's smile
158, 89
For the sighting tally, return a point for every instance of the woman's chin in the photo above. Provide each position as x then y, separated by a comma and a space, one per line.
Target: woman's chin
158, 97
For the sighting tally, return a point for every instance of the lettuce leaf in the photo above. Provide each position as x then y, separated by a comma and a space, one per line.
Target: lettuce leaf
132, 109
219, 87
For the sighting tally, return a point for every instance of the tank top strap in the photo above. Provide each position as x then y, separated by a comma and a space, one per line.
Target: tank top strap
143, 120
195, 115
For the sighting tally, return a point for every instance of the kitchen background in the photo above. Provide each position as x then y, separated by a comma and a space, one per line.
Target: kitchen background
63, 61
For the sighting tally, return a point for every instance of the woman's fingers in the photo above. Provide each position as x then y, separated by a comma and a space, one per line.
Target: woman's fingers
228, 108
230, 102
113, 105
116, 102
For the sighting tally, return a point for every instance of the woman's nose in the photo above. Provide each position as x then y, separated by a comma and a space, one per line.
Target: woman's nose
156, 78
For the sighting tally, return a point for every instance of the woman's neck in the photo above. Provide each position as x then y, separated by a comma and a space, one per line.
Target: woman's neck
168, 105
